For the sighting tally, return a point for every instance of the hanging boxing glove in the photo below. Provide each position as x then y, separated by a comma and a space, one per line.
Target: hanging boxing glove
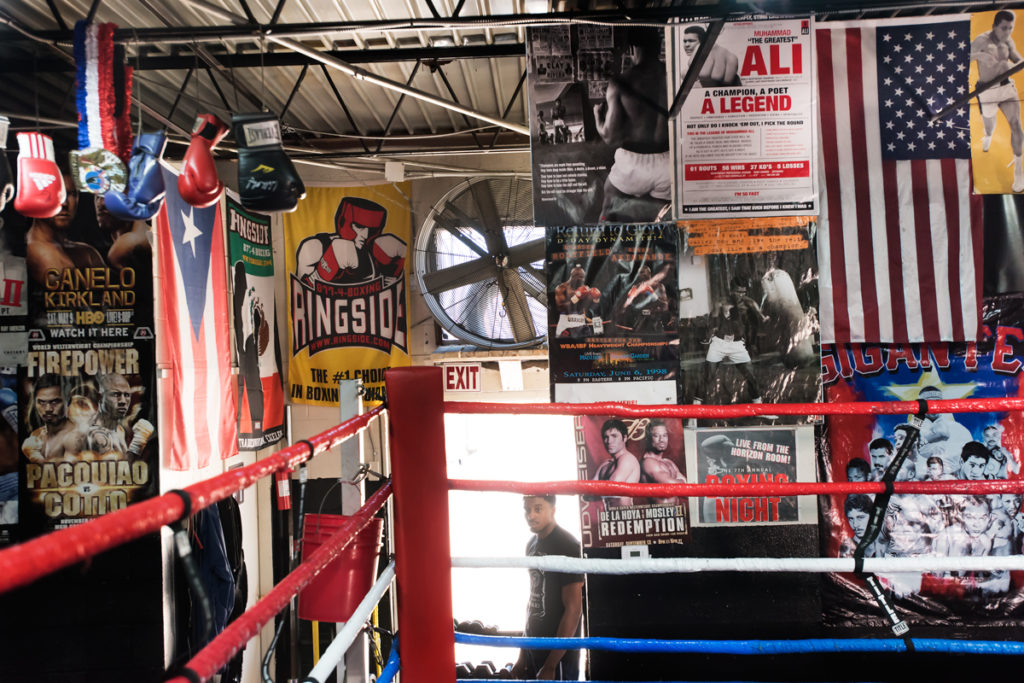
41, 191
267, 180
198, 184
145, 192
6, 175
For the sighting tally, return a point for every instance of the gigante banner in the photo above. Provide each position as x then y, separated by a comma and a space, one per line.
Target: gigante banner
348, 290
973, 446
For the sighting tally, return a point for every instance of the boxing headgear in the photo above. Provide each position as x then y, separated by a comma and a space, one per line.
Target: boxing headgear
361, 212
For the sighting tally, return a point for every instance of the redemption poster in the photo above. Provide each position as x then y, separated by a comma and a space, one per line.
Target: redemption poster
748, 323
771, 455
744, 140
260, 392
87, 400
348, 290
599, 135
972, 446
612, 311
997, 142
633, 451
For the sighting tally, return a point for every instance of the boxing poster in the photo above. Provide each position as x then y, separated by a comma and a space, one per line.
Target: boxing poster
744, 141
633, 451
748, 324
257, 346
997, 140
770, 455
598, 126
87, 432
612, 310
348, 290
13, 290
971, 446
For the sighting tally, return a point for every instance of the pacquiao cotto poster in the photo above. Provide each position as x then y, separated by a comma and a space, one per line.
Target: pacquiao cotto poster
257, 347
973, 446
347, 290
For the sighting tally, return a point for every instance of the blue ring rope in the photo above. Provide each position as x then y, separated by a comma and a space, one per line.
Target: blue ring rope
387, 674
750, 647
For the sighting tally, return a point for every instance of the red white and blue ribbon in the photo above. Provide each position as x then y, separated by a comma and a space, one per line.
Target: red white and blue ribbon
96, 96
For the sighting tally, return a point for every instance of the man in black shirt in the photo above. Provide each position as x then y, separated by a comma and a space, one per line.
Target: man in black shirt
556, 599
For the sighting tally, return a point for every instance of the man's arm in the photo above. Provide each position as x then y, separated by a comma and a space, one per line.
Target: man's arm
626, 469
610, 117
572, 602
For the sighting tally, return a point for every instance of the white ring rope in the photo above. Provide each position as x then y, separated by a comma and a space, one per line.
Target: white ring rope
347, 635
671, 565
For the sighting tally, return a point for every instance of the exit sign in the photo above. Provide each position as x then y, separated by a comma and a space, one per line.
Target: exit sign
462, 377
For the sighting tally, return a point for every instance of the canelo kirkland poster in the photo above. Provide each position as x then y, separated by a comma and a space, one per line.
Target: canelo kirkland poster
257, 346
347, 290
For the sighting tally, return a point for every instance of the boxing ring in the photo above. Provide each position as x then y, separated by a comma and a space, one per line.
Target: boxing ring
422, 564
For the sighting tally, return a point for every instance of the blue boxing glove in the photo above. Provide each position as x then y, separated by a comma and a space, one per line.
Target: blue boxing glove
145, 192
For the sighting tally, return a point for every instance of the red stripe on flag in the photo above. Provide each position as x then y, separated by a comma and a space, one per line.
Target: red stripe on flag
897, 297
923, 243
952, 202
830, 151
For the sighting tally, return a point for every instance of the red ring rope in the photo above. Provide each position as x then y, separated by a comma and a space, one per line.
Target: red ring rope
969, 405
216, 654
794, 488
26, 562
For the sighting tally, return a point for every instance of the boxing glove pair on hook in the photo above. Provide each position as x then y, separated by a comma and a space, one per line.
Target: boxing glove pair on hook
267, 180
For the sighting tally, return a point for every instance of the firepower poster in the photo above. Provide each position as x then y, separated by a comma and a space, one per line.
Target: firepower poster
744, 140
260, 393
88, 436
612, 311
598, 129
633, 451
348, 290
971, 446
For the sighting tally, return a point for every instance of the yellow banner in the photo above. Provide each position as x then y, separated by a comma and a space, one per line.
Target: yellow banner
997, 141
348, 289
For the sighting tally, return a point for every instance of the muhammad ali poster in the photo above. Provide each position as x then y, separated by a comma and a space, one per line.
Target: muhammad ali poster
347, 290
748, 324
971, 446
257, 349
612, 308
598, 126
772, 455
633, 451
744, 140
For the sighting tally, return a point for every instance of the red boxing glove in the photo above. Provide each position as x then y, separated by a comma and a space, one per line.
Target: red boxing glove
327, 268
41, 191
198, 184
595, 294
579, 294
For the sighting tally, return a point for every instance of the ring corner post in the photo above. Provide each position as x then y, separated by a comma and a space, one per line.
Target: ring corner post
422, 545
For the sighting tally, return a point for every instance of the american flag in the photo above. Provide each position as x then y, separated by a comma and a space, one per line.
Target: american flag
900, 232
197, 394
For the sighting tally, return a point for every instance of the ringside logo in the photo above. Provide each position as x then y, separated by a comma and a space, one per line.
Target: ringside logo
327, 316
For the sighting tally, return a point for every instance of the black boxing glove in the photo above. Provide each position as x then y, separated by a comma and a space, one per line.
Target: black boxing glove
6, 174
267, 180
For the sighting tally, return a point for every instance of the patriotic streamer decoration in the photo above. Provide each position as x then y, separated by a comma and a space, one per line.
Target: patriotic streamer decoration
102, 97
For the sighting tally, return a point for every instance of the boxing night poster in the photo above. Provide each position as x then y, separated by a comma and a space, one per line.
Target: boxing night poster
598, 133
612, 307
348, 290
634, 451
745, 140
997, 141
972, 446
87, 401
748, 323
771, 455
257, 349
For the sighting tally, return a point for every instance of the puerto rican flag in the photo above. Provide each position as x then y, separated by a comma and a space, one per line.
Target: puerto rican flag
197, 394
